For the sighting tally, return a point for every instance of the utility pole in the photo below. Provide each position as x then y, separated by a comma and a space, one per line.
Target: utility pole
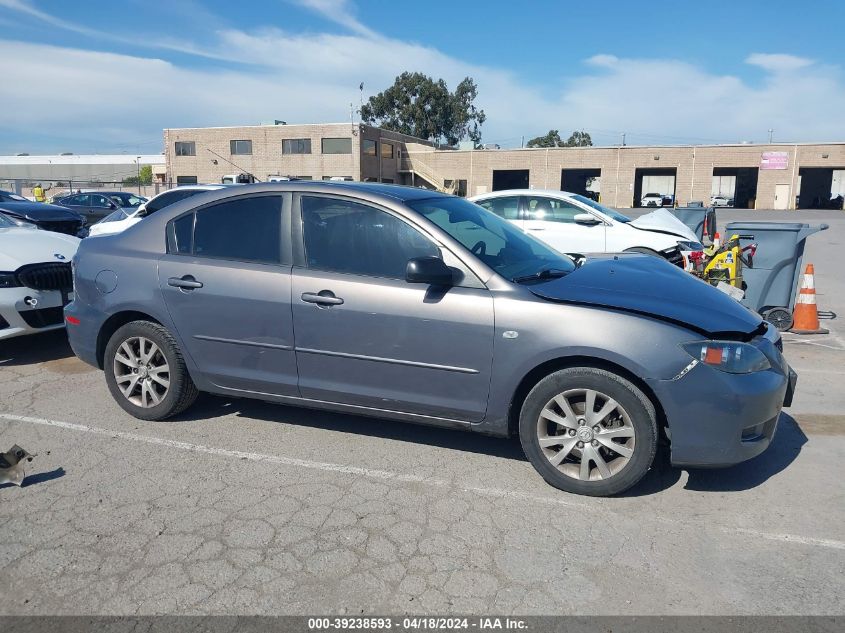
522, 142
623, 139
138, 165
771, 131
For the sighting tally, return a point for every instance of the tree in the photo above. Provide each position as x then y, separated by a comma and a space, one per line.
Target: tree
552, 139
146, 177
579, 139
419, 106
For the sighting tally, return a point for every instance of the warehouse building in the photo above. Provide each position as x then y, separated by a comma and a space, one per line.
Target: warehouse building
771, 176
80, 168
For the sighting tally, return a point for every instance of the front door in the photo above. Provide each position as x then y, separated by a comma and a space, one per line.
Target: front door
781, 196
365, 337
226, 284
552, 220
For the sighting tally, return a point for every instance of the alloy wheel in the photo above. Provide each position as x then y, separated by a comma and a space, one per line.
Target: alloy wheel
141, 372
586, 434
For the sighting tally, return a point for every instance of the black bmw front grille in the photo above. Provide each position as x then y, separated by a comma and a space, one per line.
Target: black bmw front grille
47, 276
43, 317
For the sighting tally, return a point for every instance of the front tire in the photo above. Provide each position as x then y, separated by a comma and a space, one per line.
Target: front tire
146, 373
588, 431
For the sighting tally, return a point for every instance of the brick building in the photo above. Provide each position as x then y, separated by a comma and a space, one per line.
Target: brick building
769, 176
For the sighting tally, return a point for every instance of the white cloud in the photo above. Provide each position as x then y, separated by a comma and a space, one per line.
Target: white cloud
778, 62
90, 99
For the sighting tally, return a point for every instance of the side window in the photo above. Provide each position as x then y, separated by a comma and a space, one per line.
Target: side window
347, 237
101, 202
79, 200
550, 210
505, 207
246, 229
183, 234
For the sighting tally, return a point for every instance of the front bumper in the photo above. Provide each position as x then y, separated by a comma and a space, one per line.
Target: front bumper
716, 419
27, 311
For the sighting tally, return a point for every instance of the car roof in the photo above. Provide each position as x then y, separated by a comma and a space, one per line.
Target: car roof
399, 193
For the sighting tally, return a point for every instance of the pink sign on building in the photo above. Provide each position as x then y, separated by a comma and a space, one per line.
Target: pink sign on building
774, 160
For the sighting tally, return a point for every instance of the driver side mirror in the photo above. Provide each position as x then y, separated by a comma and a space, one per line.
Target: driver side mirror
587, 219
428, 270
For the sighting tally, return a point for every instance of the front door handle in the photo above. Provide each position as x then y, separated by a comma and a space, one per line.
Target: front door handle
186, 282
322, 298
536, 228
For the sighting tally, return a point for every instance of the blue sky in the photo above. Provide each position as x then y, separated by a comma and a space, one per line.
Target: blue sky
108, 76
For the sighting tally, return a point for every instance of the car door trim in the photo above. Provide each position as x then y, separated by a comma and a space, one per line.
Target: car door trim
235, 341
391, 361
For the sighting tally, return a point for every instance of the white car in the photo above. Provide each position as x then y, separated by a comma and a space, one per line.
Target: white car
721, 201
652, 200
122, 219
35, 278
571, 223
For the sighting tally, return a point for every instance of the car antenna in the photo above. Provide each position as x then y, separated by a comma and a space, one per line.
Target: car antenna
254, 177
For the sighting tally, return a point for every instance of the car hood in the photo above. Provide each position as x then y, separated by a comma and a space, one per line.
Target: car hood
21, 246
38, 211
664, 222
649, 285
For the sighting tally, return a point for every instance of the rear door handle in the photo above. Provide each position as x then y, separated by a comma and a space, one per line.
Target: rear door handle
186, 282
322, 298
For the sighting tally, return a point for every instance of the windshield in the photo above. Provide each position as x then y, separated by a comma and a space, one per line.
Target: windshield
495, 241
611, 213
8, 196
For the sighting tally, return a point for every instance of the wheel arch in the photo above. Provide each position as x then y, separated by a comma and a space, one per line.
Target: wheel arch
112, 324
548, 367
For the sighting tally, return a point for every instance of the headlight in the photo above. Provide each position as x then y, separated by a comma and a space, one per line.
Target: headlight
691, 246
7, 280
729, 356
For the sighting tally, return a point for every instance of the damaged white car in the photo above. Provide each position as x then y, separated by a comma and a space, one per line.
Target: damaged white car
35, 278
571, 223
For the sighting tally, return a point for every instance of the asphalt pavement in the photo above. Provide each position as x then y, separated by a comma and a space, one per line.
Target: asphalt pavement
241, 507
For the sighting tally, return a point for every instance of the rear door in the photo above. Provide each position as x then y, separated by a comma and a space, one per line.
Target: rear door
226, 283
553, 221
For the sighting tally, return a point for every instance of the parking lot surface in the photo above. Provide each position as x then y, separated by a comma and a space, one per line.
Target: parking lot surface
242, 507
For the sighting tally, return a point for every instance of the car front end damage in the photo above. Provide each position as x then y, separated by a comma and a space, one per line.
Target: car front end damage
718, 415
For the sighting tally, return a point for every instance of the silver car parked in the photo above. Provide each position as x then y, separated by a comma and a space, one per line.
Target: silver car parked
415, 306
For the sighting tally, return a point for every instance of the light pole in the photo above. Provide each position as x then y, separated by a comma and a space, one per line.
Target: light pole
138, 164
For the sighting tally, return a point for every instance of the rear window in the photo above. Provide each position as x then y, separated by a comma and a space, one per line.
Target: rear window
244, 229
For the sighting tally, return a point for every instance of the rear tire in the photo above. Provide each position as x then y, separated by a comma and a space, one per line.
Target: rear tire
559, 433
146, 373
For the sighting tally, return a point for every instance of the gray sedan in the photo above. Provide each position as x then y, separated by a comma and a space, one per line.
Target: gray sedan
414, 306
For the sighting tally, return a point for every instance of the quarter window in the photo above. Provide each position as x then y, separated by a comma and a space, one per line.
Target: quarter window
183, 234
186, 148
347, 237
337, 146
551, 210
240, 147
245, 229
369, 147
505, 207
296, 146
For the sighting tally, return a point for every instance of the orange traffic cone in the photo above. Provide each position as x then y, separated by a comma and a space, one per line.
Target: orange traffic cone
717, 240
806, 315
